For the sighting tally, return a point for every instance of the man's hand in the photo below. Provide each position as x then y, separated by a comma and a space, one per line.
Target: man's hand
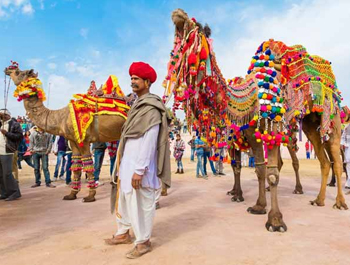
3, 131
136, 181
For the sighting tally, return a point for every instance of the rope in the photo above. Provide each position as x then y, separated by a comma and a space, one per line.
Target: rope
6, 96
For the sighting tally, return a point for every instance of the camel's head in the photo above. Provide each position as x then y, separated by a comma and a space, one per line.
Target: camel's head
189, 55
19, 76
182, 22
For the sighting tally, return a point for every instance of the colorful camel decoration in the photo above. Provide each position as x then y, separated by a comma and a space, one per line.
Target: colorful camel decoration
285, 87
85, 120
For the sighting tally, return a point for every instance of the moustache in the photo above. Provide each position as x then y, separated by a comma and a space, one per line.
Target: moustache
134, 86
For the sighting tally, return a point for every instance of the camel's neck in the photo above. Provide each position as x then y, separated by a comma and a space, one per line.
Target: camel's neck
51, 121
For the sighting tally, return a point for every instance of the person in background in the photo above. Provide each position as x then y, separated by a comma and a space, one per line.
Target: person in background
23, 154
59, 149
307, 149
40, 145
219, 164
10, 137
179, 148
206, 156
199, 144
185, 126
251, 158
98, 149
69, 163
193, 147
112, 151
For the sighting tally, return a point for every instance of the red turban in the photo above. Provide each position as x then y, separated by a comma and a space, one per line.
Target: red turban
143, 70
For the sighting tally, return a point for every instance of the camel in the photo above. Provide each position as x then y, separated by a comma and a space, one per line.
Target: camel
104, 128
195, 79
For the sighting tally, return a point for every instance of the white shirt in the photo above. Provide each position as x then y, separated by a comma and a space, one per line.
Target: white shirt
5, 126
140, 157
345, 140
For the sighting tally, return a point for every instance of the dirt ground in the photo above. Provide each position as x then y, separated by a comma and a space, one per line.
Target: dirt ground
196, 224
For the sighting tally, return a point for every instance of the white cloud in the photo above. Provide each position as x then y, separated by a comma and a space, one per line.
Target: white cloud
33, 62
42, 6
96, 53
71, 67
84, 32
8, 7
52, 66
27, 9
85, 69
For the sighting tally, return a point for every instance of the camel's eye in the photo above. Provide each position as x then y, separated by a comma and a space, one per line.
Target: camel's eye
17, 72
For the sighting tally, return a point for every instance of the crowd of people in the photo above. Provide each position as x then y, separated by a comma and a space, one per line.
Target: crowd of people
33, 146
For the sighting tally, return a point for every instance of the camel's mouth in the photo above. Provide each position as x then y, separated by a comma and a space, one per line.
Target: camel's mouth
179, 18
7, 71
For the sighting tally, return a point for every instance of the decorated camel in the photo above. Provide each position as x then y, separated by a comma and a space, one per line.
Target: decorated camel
284, 87
85, 120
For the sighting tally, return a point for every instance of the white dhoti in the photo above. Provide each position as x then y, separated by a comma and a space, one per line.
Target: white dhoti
345, 141
347, 184
137, 209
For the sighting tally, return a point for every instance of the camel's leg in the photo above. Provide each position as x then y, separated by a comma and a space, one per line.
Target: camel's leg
310, 129
231, 192
260, 170
332, 182
275, 218
279, 165
295, 163
236, 192
333, 147
76, 169
88, 168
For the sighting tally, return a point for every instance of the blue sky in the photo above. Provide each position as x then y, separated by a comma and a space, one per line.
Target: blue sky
72, 42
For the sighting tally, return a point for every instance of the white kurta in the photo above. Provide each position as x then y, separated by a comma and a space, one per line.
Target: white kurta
137, 207
345, 140
140, 156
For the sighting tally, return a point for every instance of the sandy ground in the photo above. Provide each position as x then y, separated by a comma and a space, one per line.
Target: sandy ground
197, 224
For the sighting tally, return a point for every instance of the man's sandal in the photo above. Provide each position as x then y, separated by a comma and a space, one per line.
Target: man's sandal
118, 241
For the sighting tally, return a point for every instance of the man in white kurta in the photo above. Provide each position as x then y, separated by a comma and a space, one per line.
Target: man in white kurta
345, 142
137, 207
145, 159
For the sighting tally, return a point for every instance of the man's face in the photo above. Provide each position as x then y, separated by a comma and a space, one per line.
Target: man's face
139, 86
178, 137
4, 117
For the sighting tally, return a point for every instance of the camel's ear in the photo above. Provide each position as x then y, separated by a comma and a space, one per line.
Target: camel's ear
31, 73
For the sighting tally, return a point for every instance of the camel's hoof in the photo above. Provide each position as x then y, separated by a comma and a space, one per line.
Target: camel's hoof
340, 206
90, 197
297, 191
237, 199
71, 196
256, 210
331, 184
317, 203
281, 227
231, 193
